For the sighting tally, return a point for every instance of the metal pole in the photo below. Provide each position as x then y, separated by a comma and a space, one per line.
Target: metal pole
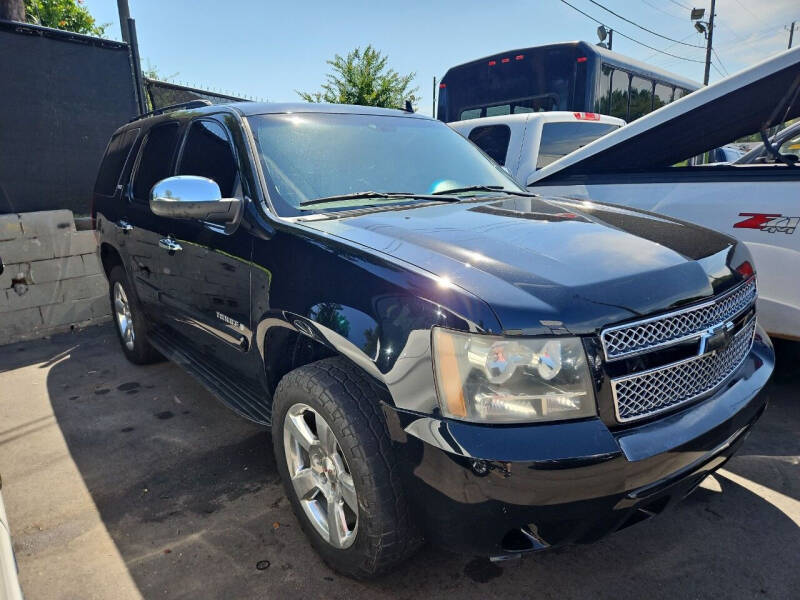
791, 34
137, 66
610, 38
708, 46
124, 15
433, 108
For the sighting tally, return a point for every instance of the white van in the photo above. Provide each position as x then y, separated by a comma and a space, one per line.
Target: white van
525, 142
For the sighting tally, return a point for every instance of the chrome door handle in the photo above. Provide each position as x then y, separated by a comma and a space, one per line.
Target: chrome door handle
169, 244
124, 226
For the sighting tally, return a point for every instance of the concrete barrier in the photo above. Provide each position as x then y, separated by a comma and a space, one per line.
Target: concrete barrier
53, 280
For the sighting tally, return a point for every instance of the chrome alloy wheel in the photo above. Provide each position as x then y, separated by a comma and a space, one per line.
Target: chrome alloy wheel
320, 475
122, 311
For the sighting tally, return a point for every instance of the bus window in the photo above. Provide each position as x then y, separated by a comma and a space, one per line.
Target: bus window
472, 113
641, 97
602, 90
680, 93
619, 95
662, 96
492, 139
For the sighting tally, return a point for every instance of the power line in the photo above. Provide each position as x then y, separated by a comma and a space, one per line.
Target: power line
642, 27
754, 15
683, 6
714, 50
647, 58
721, 74
661, 10
627, 37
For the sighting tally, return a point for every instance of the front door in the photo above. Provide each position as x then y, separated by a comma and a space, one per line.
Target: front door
206, 280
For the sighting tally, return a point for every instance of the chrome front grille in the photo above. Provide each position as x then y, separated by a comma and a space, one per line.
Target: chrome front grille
656, 390
649, 334
642, 394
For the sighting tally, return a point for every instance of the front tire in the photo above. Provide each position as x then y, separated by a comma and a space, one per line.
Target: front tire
129, 319
335, 458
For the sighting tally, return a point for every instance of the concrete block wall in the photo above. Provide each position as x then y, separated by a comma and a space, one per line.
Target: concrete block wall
53, 280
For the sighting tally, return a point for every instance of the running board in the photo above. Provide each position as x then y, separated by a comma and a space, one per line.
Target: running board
242, 399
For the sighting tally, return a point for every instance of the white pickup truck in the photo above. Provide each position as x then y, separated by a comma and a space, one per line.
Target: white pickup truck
525, 142
642, 165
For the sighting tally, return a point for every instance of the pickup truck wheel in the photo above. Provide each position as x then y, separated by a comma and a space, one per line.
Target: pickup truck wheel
129, 320
335, 458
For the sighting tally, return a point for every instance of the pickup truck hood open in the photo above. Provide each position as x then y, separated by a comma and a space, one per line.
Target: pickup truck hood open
760, 96
532, 260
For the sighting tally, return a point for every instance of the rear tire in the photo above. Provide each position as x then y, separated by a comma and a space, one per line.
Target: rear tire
129, 320
335, 394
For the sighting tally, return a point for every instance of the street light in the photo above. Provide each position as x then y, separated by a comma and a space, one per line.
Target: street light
602, 33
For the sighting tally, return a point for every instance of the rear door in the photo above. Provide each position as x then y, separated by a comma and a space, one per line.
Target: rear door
207, 282
144, 230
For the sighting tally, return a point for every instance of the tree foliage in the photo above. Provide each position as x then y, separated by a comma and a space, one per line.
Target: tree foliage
69, 15
362, 77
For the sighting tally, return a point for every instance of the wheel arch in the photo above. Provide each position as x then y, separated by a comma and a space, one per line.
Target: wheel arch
110, 257
289, 341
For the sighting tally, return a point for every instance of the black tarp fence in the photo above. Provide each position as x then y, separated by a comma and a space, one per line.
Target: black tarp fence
62, 96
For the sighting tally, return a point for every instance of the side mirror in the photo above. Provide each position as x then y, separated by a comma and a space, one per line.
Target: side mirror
192, 197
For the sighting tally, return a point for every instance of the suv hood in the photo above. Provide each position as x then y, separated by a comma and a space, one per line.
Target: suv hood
760, 96
545, 265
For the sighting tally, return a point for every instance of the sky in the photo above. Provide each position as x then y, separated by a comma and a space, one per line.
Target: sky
271, 49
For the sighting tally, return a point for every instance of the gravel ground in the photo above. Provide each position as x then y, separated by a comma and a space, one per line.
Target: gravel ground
134, 482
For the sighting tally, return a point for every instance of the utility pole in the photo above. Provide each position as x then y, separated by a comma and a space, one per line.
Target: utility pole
12, 10
709, 36
791, 34
124, 15
433, 110
610, 38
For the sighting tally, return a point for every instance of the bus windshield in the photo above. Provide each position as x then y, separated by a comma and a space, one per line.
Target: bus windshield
536, 81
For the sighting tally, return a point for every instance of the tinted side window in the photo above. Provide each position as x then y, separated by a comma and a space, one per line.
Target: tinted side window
155, 159
492, 139
641, 97
619, 95
602, 91
208, 153
559, 139
662, 96
113, 162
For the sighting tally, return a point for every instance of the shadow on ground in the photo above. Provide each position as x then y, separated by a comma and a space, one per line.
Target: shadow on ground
190, 495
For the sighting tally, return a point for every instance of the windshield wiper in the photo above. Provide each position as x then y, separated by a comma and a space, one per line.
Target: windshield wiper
380, 196
483, 188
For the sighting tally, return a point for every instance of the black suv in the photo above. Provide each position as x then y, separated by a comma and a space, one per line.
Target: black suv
440, 354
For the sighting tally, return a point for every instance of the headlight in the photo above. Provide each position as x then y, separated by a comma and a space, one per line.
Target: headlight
511, 380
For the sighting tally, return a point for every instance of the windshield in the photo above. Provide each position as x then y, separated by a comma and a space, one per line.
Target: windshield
308, 156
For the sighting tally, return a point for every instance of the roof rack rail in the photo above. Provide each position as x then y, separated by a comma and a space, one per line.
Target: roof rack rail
171, 107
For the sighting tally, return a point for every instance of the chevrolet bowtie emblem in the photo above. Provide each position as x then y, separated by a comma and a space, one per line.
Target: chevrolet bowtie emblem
715, 338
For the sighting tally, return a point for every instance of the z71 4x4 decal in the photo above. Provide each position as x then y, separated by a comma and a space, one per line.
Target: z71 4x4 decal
770, 223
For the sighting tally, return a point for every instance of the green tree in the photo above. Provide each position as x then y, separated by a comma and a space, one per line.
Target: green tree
69, 15
362, 77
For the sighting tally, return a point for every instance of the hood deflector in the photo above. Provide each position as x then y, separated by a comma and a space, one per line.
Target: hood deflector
760, 96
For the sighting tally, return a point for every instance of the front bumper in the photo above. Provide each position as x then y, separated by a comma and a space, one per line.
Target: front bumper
496, 490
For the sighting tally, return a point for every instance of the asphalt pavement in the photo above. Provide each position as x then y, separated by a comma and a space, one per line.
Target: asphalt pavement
134, 482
